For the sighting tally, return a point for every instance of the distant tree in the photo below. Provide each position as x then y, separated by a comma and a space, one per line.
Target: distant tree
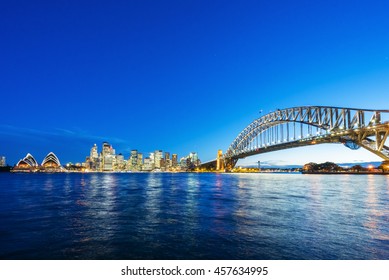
329, 166
357, 168
384, 166
312, 166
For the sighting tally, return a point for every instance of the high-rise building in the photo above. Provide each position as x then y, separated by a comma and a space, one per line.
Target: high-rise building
133, 160
2, 161
158, 155
140, 161
148, 164
174, 160
184, 163
193, 157
93, 152
107, 149
119, 163
93, 161
168, 164
108, 157
162, 164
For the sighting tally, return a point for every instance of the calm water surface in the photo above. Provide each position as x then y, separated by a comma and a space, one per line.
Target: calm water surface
193, 216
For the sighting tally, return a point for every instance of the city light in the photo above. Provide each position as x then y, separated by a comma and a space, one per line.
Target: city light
158, 161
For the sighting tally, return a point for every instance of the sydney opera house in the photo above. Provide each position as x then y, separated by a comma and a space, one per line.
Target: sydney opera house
50, 163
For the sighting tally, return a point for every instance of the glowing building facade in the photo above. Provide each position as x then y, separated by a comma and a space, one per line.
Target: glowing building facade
2, 161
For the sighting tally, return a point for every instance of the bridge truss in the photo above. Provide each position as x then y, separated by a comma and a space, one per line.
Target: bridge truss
311, 125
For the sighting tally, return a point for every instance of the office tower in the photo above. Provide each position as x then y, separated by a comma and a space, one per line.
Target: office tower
108, 157
2, 161
184, 163
174, 160
193, 157
140, 161
133, 160
93, 161
158, 155
148, 164
93, 152
119, 164
168, 164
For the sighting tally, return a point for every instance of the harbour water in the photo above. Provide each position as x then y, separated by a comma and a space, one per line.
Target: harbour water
193, 216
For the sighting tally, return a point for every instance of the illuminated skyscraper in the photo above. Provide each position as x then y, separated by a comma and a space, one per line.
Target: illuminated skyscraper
158, 155
133, 161
2, 161
148, 164
166, 161
151, 156
108, 155
93, 161
140, 161
183, 163
193, 157
119, 163
107, 149
94, 155
174, 160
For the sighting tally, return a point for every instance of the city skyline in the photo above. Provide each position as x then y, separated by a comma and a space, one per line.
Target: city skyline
183, 76
107, 160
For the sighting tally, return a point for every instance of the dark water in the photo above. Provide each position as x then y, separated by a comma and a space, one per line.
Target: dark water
193, 216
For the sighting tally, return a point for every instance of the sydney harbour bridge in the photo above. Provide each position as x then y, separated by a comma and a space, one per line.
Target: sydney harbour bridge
308, 125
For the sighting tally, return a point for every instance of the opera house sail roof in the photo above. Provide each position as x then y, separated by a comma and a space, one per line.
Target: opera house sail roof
51, 160
28, 161
49, 163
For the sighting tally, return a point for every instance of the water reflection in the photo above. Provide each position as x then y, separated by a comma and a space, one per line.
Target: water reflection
208, 216
378, 213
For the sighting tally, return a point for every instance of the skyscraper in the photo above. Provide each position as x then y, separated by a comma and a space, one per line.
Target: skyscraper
133, 160
193, 157
174, 160
2, 161
158, 155
119, 163
107, 155
166, 161
148, 164
94, 158
93, 152
140, 161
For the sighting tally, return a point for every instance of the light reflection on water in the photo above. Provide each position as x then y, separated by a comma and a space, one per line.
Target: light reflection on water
193, 216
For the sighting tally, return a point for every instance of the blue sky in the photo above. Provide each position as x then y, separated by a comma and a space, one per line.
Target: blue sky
182, 76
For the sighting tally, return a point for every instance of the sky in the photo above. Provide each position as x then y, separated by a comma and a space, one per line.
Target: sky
182, 76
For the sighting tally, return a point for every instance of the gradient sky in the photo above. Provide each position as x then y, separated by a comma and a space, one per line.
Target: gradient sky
182, 76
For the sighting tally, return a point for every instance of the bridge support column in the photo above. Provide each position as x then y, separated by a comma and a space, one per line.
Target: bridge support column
219, 161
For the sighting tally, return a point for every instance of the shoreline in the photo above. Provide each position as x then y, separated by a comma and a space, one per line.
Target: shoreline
214, 172
345, 173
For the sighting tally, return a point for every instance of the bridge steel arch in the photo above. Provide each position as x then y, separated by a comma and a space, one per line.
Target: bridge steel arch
311, 125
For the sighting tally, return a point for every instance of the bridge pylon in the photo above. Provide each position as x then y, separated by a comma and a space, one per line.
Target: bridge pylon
220, 166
